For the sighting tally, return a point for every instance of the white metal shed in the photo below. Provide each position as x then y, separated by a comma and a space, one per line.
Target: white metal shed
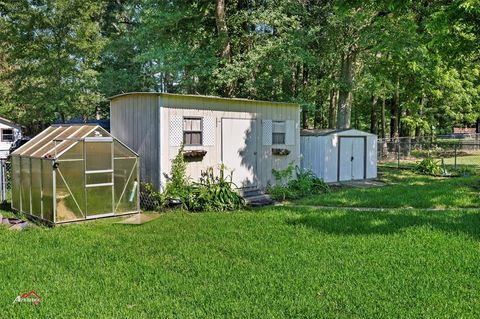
339, 155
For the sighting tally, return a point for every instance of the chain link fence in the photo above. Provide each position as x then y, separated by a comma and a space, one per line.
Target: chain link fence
451, 152
5, 181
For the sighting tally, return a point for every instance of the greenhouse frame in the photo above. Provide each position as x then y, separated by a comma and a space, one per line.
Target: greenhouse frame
70, 173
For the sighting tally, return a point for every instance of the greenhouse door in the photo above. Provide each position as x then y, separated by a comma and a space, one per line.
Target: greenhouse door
99, 176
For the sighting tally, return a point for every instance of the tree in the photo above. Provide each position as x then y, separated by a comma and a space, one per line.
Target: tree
53, 47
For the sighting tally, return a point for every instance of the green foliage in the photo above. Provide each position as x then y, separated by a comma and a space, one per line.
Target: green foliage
211, 193
214, 192
429, 166
464, 171
60, 58
283, 176
304, 183
178, 185
51, 49
153, 200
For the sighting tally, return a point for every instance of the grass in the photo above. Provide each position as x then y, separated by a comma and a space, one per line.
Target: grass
471, 161
273, 262
405, 189
269, 263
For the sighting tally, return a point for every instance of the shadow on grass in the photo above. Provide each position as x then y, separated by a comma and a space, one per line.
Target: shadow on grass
388, 223
405, 189
5, 206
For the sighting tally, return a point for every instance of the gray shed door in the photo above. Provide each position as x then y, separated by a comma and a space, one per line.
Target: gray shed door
351, 159
239, 150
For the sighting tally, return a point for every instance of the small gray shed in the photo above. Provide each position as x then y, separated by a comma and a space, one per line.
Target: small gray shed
339, 155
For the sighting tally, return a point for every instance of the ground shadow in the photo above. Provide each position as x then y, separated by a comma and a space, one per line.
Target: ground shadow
6, 206
417, 191
387, 223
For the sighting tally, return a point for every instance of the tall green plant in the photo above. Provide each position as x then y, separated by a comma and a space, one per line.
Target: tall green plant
178, 185
214, 192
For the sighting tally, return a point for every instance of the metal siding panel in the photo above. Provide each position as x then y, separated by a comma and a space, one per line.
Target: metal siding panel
372, 156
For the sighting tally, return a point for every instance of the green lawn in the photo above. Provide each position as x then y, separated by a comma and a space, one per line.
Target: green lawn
269, 263
405, 189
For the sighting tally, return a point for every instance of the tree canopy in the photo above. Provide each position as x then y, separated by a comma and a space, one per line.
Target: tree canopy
396, 68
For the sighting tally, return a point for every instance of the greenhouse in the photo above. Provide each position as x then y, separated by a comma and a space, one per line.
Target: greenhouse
71, 173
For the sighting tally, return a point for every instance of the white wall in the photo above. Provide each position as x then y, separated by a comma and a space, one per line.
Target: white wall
216, 109
5, 146
331, 158
313, 153
372, 156
320, 154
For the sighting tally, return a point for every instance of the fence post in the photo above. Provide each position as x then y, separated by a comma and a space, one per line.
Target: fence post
398, 154
455, 165
3, 182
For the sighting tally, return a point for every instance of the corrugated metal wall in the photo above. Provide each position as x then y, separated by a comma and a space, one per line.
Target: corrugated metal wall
134, 121
320, 154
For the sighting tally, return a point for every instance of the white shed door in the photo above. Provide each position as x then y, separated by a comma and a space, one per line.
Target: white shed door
352, 158
239, 150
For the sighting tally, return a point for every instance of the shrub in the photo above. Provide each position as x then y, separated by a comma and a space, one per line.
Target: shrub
177, 186
305, 183
214, 192
211, 192
428, 166
150, 198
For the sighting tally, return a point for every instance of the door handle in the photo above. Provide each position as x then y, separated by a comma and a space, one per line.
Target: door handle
351, 159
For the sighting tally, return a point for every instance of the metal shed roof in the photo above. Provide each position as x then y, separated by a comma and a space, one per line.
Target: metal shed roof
9, 123
325, 132
204, 97
57, 139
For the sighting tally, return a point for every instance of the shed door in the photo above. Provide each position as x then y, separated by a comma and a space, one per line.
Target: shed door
351, 158
239, 150
99, 176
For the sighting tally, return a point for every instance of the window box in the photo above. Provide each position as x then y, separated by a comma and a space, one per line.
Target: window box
193, 155
280, 151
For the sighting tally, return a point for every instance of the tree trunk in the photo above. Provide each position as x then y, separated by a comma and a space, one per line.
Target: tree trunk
394, 112
383, 121
226, 50
304, 117
373, 115
221, 20
318, 116
418, 127
345, 92
332, 112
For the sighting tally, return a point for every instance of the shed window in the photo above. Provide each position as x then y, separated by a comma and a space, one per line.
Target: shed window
278, 132
192, 131
7, 135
